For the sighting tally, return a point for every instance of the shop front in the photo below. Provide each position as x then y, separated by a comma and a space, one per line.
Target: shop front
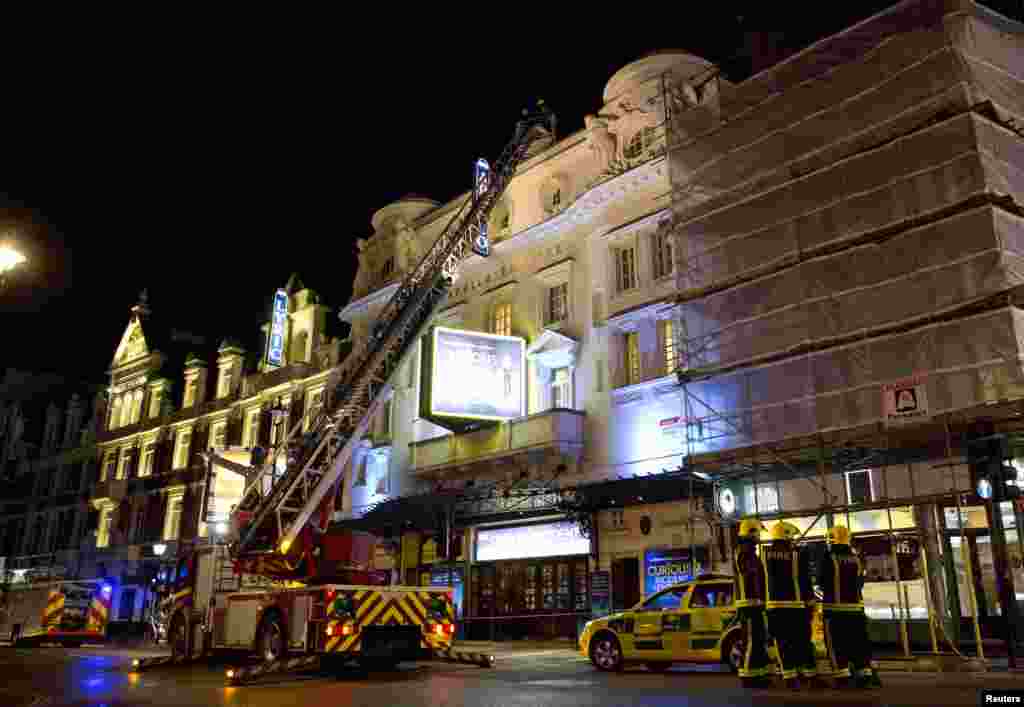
528, 581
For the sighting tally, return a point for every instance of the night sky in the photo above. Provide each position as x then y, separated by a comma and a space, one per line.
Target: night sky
207, 159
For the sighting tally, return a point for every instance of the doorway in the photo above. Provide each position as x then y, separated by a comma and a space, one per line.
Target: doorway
625, 583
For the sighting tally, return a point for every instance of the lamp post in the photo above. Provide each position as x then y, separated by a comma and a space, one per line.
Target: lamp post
9, 260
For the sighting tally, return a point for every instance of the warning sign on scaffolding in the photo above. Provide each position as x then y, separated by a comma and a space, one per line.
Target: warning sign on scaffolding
905, 402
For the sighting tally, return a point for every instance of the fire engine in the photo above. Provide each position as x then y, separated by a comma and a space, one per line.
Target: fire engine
288, 582
65, 612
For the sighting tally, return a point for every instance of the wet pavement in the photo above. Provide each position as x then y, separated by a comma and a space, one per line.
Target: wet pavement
53, 677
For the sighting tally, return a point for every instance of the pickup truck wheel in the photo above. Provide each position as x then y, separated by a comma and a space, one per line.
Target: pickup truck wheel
606, 653
178, 638
271, 640
734, 649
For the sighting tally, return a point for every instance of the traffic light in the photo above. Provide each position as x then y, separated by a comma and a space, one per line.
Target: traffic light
994, 480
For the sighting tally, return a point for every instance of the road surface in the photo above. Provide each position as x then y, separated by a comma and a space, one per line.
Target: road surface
54, 677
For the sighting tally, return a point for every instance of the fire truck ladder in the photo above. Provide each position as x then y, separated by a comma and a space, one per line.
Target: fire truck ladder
296, 495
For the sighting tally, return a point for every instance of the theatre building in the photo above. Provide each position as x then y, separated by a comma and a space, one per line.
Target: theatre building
531, 413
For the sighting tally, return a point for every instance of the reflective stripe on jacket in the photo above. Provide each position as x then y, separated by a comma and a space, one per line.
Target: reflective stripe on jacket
750, 589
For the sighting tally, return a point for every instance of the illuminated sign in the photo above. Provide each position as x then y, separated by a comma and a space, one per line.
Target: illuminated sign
477, 376
275, 346
663, 568
530, 541
481, 181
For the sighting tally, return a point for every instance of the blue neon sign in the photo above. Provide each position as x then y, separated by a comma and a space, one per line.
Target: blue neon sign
275, 347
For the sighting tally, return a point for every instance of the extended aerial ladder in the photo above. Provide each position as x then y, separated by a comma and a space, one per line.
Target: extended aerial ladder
275, 536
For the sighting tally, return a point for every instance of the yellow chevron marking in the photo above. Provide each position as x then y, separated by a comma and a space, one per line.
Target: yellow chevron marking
360, 594
349, 640
409, 612
392, 613
365, 621
415, 600
364, 607
332, 643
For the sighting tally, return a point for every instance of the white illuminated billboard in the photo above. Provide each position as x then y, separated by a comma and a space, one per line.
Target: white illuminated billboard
529, 541
477, 376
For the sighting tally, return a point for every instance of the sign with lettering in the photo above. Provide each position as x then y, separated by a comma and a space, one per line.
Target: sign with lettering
481, 182
278, 321
665, 567
905, 401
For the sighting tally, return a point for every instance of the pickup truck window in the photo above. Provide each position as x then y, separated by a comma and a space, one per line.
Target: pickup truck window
667, 599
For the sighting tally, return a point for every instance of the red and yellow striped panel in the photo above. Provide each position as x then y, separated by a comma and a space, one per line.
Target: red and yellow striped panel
384, 608
54, 609
99, 612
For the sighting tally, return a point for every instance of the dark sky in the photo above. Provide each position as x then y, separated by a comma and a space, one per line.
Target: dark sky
207, 158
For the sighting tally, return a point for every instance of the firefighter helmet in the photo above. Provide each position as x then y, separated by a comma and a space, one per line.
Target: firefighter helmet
785, 531
751, 528
839, 535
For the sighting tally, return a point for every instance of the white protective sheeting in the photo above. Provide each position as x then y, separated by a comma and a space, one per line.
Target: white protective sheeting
833, 213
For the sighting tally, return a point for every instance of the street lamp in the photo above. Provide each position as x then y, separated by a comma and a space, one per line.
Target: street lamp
9, 259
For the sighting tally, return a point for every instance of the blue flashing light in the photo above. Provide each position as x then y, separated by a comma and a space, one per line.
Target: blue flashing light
107, 589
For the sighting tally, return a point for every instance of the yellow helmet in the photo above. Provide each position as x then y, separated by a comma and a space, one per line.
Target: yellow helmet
785, 531
751, 528
839, 535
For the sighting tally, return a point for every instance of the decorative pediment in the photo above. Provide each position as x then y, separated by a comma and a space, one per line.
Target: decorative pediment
133, 343
553, 350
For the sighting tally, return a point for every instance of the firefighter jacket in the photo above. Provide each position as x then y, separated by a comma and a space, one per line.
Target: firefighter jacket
783, 569
807, 565
749, 576
840, 574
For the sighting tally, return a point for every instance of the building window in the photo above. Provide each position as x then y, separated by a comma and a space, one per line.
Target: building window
115, 413
220, 435
148, 457
625, 269
224, 382
501, 322
388, 270
557, 309
556, 200
252, 428
561, 389
156, 398
136, 406
858, 487
190, 393
122, 464
172, 524
181, 449
108, 466
632, 358
662, 247
505, 220
103, 530
668, 346
618, 519
316, 403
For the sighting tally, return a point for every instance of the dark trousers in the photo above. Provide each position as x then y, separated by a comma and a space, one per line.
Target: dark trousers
809, 665
755, 661
849, 649
787, 629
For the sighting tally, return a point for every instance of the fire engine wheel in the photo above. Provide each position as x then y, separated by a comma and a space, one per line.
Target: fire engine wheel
178, 638
378, 664
271, 640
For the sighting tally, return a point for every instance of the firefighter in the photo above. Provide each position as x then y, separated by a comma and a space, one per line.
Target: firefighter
841, 576
785, 607
809, 665
750, 587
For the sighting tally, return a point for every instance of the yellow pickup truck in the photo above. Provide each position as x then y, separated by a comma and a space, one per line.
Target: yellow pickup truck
690, 622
